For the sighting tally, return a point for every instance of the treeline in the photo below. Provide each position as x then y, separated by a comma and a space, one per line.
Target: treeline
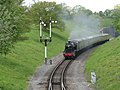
16, 19
113, 14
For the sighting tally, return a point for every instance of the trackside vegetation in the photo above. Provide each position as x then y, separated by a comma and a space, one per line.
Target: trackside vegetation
105, 61
28, 53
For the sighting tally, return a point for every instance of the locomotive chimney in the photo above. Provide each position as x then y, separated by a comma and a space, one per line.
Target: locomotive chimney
69, 41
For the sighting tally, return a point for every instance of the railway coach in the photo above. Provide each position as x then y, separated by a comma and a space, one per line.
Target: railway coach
75, 46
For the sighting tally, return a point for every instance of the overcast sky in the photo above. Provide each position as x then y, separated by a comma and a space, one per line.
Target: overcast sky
94, 5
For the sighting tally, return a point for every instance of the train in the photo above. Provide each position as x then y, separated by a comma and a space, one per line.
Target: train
74, 47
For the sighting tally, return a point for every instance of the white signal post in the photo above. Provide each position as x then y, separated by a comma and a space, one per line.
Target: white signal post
47, 39
40, 27
50, 27
45, 52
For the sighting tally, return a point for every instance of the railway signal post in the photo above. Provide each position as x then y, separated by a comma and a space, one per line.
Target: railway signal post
47, 39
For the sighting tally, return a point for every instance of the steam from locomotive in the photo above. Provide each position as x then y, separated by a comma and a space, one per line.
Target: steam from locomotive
82, 25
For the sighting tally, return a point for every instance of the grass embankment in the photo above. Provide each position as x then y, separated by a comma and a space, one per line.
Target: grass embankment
16, 67
105, 61
106, 22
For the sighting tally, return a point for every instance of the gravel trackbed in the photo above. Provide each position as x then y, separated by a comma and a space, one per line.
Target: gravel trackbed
75, 77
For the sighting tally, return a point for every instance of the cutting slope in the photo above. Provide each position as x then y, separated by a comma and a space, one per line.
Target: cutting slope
16, 68
105, 61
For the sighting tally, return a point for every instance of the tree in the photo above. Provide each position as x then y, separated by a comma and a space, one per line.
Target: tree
7, 30
78, 9
101, 13
116, 17
66, 12
12, 23
46, 10
108, 13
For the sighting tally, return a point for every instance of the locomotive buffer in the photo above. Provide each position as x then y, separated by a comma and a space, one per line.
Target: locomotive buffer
48, 39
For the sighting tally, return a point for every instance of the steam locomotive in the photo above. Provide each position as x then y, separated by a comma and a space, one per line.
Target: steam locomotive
76, 46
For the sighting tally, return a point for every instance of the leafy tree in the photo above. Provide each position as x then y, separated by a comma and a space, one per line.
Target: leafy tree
7, 30
116, 17
66, 12
88, 12
78, 9
12, 23
101, 13
23, 21
108, 13
46, 10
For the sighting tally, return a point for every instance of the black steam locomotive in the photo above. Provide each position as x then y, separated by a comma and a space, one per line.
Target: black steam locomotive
76, 46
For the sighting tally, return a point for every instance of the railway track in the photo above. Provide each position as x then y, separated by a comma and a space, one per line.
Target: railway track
56, 79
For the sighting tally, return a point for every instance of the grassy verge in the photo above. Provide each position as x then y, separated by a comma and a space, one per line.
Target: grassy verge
105, 61
16, 67
106, 22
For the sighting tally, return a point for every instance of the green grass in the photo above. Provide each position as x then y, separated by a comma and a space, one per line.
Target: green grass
105, 61
20, 64
106, 22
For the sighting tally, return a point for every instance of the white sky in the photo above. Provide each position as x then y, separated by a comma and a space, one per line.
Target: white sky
94, 5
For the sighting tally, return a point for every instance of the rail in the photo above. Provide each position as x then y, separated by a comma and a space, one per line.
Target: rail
63, 65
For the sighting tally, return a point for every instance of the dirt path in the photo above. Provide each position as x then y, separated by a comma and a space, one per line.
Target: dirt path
75, 77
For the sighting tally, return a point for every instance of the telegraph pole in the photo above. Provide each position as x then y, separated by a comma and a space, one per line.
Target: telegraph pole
48, 39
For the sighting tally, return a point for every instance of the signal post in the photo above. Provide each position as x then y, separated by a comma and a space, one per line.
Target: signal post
48, 39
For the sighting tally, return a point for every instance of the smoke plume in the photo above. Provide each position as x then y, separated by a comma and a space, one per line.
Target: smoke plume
82, 25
